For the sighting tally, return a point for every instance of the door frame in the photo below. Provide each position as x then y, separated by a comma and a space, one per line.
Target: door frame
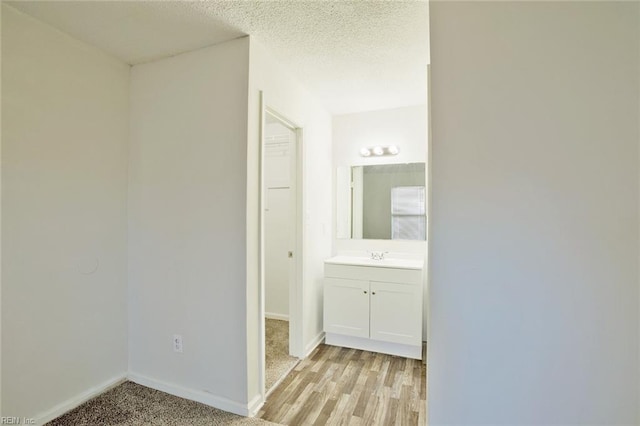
296, 264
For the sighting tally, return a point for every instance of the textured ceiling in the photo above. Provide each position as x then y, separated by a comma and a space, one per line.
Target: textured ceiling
354, 55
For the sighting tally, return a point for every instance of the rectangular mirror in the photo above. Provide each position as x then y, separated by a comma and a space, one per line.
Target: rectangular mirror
381, 202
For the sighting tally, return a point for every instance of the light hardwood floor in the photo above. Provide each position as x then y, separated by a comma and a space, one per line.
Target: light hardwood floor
340, 386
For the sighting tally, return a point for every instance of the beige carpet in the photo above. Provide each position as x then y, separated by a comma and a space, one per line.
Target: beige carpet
278, 362
130, 404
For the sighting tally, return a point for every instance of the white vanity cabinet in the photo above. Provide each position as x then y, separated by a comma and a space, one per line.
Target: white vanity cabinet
375, 308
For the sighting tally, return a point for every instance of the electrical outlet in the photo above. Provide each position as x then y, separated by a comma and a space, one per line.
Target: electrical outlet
177, 343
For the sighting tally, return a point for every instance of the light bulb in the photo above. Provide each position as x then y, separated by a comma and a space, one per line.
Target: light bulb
393, 150
378, 150
365, 152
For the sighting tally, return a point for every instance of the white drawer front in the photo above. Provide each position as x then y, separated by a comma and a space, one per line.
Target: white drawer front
367, 273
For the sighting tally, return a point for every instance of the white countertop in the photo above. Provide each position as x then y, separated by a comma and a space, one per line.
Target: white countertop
385, 263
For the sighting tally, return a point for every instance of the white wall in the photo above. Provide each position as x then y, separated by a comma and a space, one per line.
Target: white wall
405, 127
284, 94
64, 188
534, 244
187, 225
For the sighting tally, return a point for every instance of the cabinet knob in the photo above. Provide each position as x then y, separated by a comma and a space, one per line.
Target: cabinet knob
373, 292
365, 292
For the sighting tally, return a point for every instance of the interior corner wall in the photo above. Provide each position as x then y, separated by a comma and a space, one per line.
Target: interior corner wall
187, 225
64, 200
534, 242
1, 9
285, 95
638, 381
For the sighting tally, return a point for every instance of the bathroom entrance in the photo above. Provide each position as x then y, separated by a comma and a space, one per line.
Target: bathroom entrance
279, 218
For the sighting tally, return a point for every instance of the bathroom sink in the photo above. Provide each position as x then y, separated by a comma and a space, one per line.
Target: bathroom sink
388, 262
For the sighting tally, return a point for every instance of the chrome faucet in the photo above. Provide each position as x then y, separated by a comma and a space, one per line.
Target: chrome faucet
378, 255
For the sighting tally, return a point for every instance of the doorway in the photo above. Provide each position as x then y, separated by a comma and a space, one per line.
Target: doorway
280, 142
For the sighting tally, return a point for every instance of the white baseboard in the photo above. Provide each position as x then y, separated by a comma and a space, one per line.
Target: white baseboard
281, 317
255, 405
314, 344
193, 395
72, 403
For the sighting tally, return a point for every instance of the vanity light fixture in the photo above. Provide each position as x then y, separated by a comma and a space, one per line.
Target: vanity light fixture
365, 152
379, 151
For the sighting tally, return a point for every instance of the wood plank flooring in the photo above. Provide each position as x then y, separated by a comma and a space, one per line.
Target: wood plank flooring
341, 386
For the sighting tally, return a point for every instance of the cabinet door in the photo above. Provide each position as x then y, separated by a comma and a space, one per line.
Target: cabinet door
396, 313
346, 307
